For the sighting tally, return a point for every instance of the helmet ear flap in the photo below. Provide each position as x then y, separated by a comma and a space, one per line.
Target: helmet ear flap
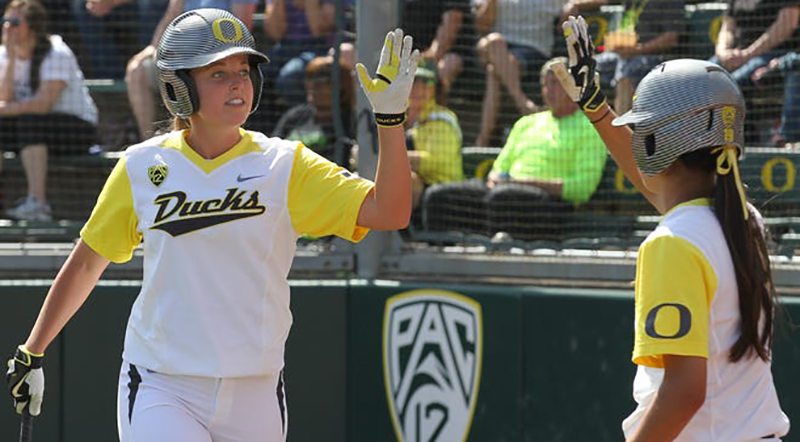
191, 88
257, 78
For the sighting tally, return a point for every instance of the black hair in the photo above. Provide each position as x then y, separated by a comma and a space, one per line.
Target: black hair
747, 244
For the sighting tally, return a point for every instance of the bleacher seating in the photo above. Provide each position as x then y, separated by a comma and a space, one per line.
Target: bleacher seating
72, 186
619, 216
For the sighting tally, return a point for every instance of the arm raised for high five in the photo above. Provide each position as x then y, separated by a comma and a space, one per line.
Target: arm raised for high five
388, 206
582, 83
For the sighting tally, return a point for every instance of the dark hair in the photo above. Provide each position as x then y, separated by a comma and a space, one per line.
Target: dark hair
36, 17
747, 245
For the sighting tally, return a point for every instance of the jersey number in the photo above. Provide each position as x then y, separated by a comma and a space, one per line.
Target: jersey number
685, 321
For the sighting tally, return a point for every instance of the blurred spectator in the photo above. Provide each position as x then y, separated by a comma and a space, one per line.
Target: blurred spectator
103, 26
433, 137
786, 69
442, 31
301, 30
518, 38
753, 33
141, 73
312, 122
649, 34
551, 161
44, 106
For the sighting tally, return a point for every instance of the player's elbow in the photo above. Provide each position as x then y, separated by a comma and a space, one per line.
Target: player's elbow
398, 219
694, 399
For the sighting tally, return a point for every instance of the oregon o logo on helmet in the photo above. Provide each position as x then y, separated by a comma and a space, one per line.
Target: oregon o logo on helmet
684, 321
220, 35
432, 350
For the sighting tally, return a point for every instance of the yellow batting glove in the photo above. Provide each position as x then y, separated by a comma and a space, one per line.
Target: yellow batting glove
388, 91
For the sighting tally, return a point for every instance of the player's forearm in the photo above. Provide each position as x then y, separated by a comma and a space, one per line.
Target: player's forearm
72, 286
275, 20
618, 142
777, 33
392, 180
677, 400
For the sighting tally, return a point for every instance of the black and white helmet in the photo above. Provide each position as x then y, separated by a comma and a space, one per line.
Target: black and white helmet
195, 39
682, 106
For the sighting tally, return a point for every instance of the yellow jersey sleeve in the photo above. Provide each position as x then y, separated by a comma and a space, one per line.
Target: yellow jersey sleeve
112, 229
325, 199
675, 285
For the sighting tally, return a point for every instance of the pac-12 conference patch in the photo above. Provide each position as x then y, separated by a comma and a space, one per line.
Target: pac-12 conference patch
432, 355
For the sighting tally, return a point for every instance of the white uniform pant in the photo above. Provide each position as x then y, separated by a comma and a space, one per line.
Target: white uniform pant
155, 407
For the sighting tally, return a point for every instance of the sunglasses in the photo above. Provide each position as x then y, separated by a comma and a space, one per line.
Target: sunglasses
13, 21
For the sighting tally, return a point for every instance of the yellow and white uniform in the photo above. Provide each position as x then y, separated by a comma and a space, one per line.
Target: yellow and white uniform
219, 239
687, 304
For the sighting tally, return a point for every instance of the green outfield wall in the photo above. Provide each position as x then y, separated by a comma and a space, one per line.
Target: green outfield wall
387, 360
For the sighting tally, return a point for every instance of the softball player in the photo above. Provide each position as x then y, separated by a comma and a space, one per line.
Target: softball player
218, 209
703, 294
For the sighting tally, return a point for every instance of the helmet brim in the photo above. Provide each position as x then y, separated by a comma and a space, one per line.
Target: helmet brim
206, 59
629, 118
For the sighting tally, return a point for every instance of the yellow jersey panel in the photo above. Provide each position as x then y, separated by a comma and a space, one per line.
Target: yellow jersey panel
674, 287
325, 199
112, 227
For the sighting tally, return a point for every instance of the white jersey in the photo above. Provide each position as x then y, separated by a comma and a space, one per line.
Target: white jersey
219, 239
59, 64
687, 304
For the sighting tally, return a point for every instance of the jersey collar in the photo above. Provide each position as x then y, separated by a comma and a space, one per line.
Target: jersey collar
698, 202
177, 141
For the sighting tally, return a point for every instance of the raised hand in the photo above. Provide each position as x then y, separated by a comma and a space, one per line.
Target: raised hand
580, 79
388, 91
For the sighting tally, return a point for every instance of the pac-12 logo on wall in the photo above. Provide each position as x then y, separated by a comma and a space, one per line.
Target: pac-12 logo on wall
432, 354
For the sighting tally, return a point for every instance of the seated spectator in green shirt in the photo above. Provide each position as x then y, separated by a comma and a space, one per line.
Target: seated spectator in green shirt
433, 136
552, 161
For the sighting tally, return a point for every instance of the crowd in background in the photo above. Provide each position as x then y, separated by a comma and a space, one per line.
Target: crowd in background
481, 83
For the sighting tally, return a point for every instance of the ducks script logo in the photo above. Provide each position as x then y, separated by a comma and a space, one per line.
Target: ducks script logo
432, 354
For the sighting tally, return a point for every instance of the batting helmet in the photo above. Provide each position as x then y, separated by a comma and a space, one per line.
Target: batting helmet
195, 39
682, 106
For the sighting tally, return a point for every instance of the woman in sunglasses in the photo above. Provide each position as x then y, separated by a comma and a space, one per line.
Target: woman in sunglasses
45, 107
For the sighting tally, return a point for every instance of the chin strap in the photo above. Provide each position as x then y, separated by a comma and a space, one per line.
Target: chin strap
728, 160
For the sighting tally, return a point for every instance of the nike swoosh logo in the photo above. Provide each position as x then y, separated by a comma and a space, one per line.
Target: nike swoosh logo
15, 391
241, 179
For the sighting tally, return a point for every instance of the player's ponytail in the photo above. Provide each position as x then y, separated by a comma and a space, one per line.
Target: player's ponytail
745, 239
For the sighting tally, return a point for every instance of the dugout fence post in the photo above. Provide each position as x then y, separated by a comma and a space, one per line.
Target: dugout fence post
374, 18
